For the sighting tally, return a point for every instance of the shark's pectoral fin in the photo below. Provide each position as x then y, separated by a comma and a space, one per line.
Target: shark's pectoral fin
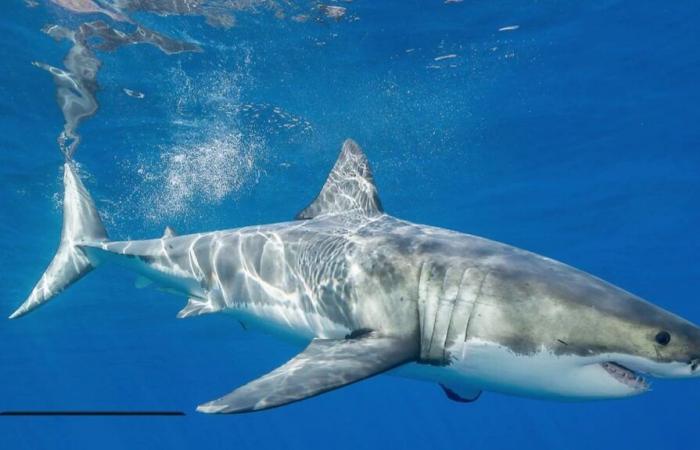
461, 394
324, 365
349, 187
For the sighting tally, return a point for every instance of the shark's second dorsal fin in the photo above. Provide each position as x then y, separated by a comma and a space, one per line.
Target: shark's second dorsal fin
169, 232
349, 187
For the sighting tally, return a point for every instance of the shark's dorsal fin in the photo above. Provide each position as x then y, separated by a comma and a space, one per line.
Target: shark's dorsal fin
169, 232
349, 187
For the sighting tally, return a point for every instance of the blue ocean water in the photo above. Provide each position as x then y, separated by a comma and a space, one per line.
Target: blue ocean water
566, 129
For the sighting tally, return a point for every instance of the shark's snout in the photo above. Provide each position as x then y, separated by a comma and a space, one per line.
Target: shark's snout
694, 365
688, 368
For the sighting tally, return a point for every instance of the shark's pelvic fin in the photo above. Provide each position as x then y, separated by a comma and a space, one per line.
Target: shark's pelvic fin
348, 188
196, 307
81, 224
461, 394
324, 365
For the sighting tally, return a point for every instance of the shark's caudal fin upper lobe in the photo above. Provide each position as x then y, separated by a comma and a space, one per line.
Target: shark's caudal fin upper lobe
81, 224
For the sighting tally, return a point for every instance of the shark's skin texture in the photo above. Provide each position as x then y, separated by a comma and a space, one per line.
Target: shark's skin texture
376, 293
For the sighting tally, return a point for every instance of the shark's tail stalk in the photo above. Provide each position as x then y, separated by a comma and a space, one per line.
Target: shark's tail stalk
81, 224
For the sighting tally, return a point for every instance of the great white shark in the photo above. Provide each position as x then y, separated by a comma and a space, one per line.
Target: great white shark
370, 293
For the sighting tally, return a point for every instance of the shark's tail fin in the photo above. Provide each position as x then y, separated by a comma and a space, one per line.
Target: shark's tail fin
81, 224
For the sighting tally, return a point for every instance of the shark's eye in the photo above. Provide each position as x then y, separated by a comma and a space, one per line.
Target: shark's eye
662, 338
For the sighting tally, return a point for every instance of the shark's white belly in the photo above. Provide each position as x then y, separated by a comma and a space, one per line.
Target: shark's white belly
489, 366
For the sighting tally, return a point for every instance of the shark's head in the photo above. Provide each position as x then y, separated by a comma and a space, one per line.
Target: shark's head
632, 340
572, 335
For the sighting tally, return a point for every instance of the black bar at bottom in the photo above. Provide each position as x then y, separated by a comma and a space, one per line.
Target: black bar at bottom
92, 413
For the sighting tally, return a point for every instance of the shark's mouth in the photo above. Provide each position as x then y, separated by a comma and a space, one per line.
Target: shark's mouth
626, 376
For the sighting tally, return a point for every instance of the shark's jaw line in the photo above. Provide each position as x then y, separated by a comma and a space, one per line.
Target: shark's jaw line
374, 293
626, 376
